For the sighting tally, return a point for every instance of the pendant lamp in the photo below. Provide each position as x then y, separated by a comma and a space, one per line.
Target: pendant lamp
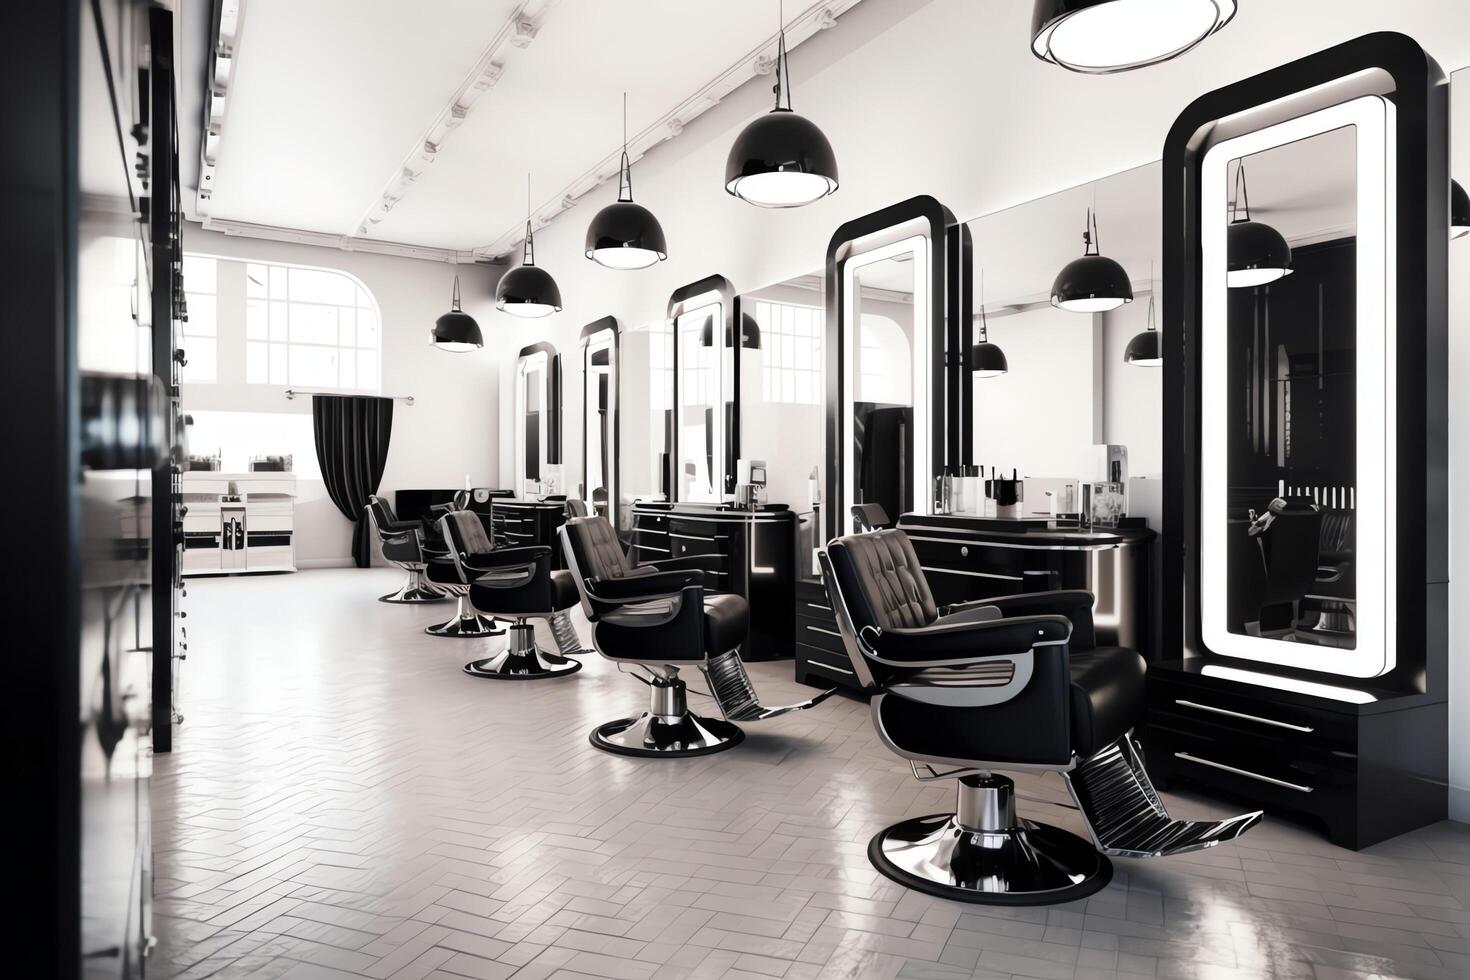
750, 333
457, 331
1100, 37
781, 160
987, 360
1093, 283
528, 290
625, 235
1144, 350
1256, 253
1459, 210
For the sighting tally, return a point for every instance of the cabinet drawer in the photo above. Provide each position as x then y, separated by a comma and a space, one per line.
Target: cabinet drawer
823, 636
835, 666
1251, 714
276, 523
1254, 770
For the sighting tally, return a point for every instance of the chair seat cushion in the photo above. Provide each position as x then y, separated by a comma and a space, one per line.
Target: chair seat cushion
563, 591
726, 623
442, 571
1107, 696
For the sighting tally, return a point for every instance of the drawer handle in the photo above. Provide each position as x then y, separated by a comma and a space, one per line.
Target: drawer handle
818, 605
956, 571
649, 547
1242, 772
826, 666
1305, 729
818, 629
697, 537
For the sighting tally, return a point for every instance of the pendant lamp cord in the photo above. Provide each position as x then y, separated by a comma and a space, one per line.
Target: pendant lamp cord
528, 257
984, 322
1090, 240
1242, 195
625, 169
455, 304
1152, 324
782, 69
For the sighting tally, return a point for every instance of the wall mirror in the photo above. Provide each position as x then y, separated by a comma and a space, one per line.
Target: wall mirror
886, 380
601, 368
538, 421
645, 414
1311, 495
706, 424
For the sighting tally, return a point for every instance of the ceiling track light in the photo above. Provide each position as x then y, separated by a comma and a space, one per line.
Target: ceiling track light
528, 290
1256, 254
781, 159
1101, 37
1144, 350
987, 360
1094, 283
456, 331
625, 235
1459, 211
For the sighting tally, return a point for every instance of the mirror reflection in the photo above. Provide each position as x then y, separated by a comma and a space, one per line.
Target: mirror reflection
600, 393
645, 414
882, 360
537, 431
699, 469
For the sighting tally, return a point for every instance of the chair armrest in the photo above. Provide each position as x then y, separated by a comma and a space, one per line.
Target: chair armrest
979, 611
398, 527
1074, 604
683, 562
656, 611
962, 644
500, 558
637, 588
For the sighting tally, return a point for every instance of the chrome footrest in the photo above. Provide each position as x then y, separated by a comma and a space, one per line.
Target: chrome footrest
1125, 816
568, 644
734, 693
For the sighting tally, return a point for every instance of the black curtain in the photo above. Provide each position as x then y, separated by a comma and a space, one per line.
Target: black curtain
352, 433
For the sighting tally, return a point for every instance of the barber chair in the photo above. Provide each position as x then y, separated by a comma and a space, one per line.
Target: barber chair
870, 517
655, 618
515, 584
403, 545
576, 507
1012, 683
1330, 611
445, 572
1288, 536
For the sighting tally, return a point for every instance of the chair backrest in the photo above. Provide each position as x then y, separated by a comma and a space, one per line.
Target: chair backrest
870, 517
1290, 549
465, 533
882, 582
576, 507
593, 551
381, 514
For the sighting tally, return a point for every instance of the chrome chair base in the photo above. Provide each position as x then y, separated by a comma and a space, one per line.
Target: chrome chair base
1027, 864
667, 730
522, 660
416, 589
666, 736
466, 624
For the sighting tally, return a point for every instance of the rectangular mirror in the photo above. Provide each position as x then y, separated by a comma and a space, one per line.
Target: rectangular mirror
538, 422
645, 416
601, 393
698, 469
781, 387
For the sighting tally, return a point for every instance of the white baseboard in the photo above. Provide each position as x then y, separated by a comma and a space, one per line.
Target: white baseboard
306, 563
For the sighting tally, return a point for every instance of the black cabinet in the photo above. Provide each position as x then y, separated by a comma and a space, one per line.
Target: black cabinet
821, 658
517, 523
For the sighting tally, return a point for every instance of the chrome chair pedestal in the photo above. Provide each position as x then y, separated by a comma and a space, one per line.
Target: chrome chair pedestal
466, 624
522, 660
667, 730
416, 589
982, 853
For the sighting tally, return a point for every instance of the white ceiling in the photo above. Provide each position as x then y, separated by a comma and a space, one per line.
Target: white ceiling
330, 98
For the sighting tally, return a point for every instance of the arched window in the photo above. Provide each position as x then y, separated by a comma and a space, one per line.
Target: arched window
310, 328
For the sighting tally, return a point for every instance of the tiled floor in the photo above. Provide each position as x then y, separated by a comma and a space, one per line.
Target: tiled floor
344, 802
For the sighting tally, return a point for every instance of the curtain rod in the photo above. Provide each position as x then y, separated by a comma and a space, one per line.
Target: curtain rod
293, 392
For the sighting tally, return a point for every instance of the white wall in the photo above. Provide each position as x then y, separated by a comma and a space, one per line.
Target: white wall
453, 427
1131, 394
1459, 367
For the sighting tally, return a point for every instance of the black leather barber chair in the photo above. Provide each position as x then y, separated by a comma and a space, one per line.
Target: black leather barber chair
870, 517
515, 584
1011, 683
657, 618
1288, 536
1330, 612
403, 545
445, 572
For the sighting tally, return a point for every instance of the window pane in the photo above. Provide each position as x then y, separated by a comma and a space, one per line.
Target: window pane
367, 370
200, 354
347, 369
255, 281
320, 286
255, 320
279, 330
314, 367
313, 324
256, 372
278, 281
278, 364
346, 329
200, 274
201, 321
367, 328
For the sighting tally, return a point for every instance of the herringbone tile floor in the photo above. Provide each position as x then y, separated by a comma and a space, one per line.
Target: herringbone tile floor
343, 802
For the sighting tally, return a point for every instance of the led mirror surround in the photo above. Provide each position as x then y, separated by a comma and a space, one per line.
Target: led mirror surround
1372, 495
1459, 210
1106, 36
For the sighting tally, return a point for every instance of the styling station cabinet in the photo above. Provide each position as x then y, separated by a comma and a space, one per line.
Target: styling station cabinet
238, 522
751, 553
1305, 573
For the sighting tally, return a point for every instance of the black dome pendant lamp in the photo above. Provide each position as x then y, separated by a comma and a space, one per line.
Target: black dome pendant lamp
528, 290
1144, 350
1256, 253
457, 331
1459, 211
781, 160
1093, 283
625, 235
987, 360
1099, 37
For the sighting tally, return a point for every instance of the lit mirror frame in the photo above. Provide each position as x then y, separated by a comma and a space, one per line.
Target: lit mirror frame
719, 292
538, 357
601, 337
923, 226
1410, 641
